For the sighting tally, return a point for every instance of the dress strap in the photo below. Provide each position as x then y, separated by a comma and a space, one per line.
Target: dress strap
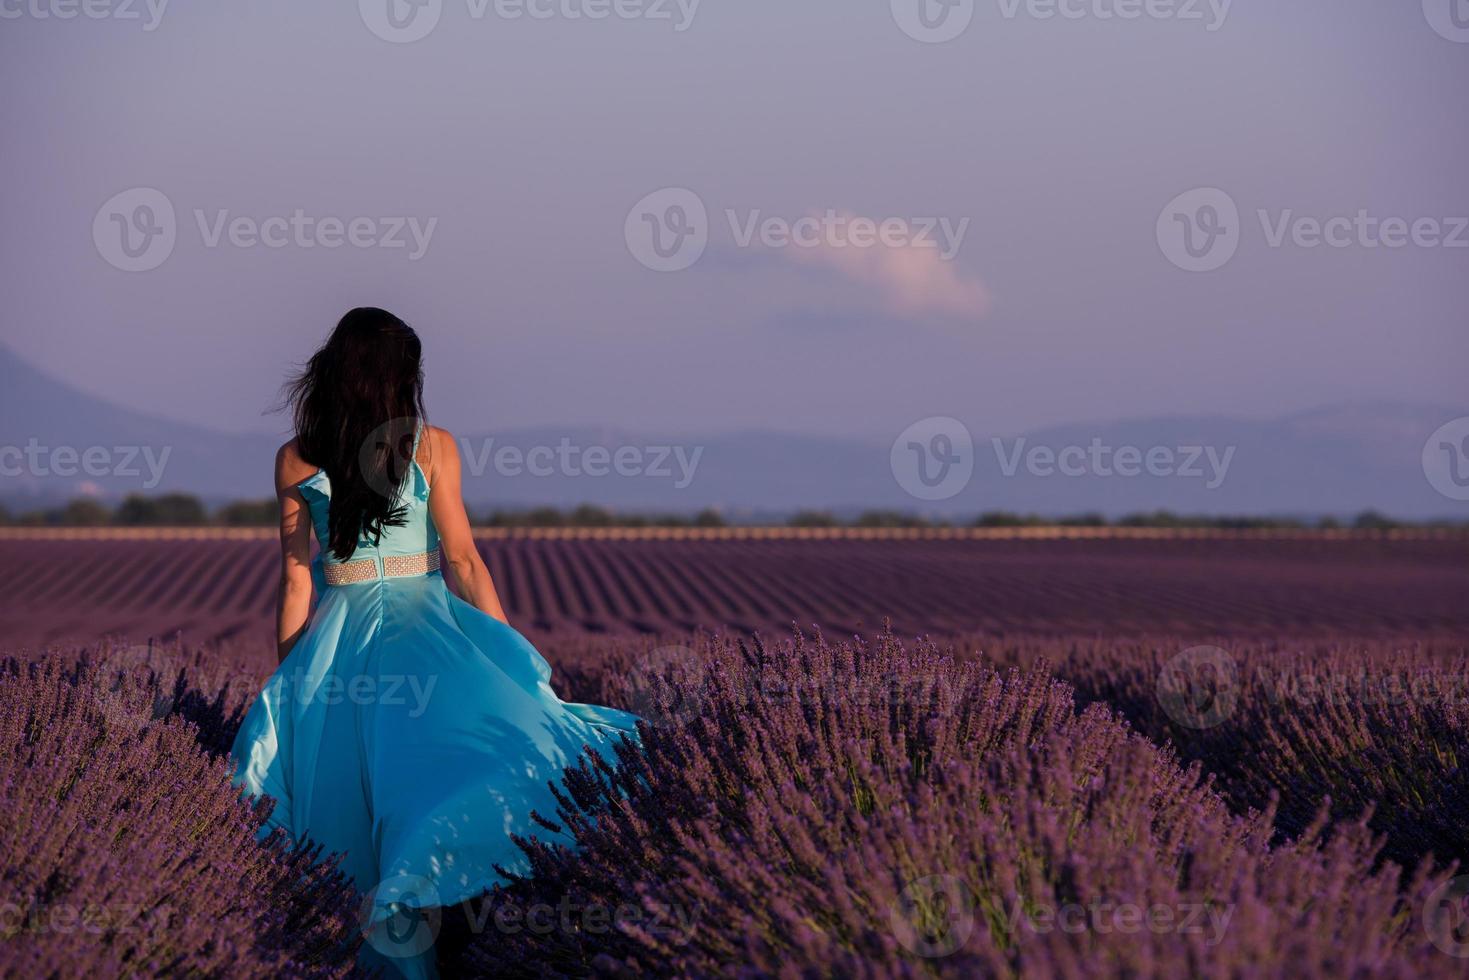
418, 468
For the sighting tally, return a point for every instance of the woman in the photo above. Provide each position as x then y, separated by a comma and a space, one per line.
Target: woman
407, 728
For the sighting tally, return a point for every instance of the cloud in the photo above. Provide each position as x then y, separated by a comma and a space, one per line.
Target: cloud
912, 271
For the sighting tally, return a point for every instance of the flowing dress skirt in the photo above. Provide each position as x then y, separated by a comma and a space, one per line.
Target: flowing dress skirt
415, 734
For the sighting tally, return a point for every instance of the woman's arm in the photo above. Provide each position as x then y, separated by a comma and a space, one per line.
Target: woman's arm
446, 504
293, 608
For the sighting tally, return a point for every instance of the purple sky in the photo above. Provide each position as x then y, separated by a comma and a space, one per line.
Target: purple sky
1060, 140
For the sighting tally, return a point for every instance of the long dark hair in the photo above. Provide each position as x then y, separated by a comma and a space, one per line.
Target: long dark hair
357, 406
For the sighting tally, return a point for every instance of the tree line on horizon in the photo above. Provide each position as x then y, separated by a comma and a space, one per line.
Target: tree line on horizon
186, 510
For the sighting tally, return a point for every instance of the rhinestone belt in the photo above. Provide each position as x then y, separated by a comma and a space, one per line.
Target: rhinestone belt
393, 566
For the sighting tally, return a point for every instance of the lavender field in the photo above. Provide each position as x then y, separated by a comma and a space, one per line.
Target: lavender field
990, 479
213, 585
909, 758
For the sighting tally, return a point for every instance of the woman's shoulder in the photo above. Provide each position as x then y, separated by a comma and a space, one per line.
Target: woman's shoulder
290, 467
437, 439
438, 447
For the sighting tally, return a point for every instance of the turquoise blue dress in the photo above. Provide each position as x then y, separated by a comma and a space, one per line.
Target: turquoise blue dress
413, 733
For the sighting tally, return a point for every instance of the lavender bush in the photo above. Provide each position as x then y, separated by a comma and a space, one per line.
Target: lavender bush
869, 810
126, 852
1377, 729
800, 808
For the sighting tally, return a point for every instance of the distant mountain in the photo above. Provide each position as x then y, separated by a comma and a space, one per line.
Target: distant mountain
1338, 460
56, 427
1333, 461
